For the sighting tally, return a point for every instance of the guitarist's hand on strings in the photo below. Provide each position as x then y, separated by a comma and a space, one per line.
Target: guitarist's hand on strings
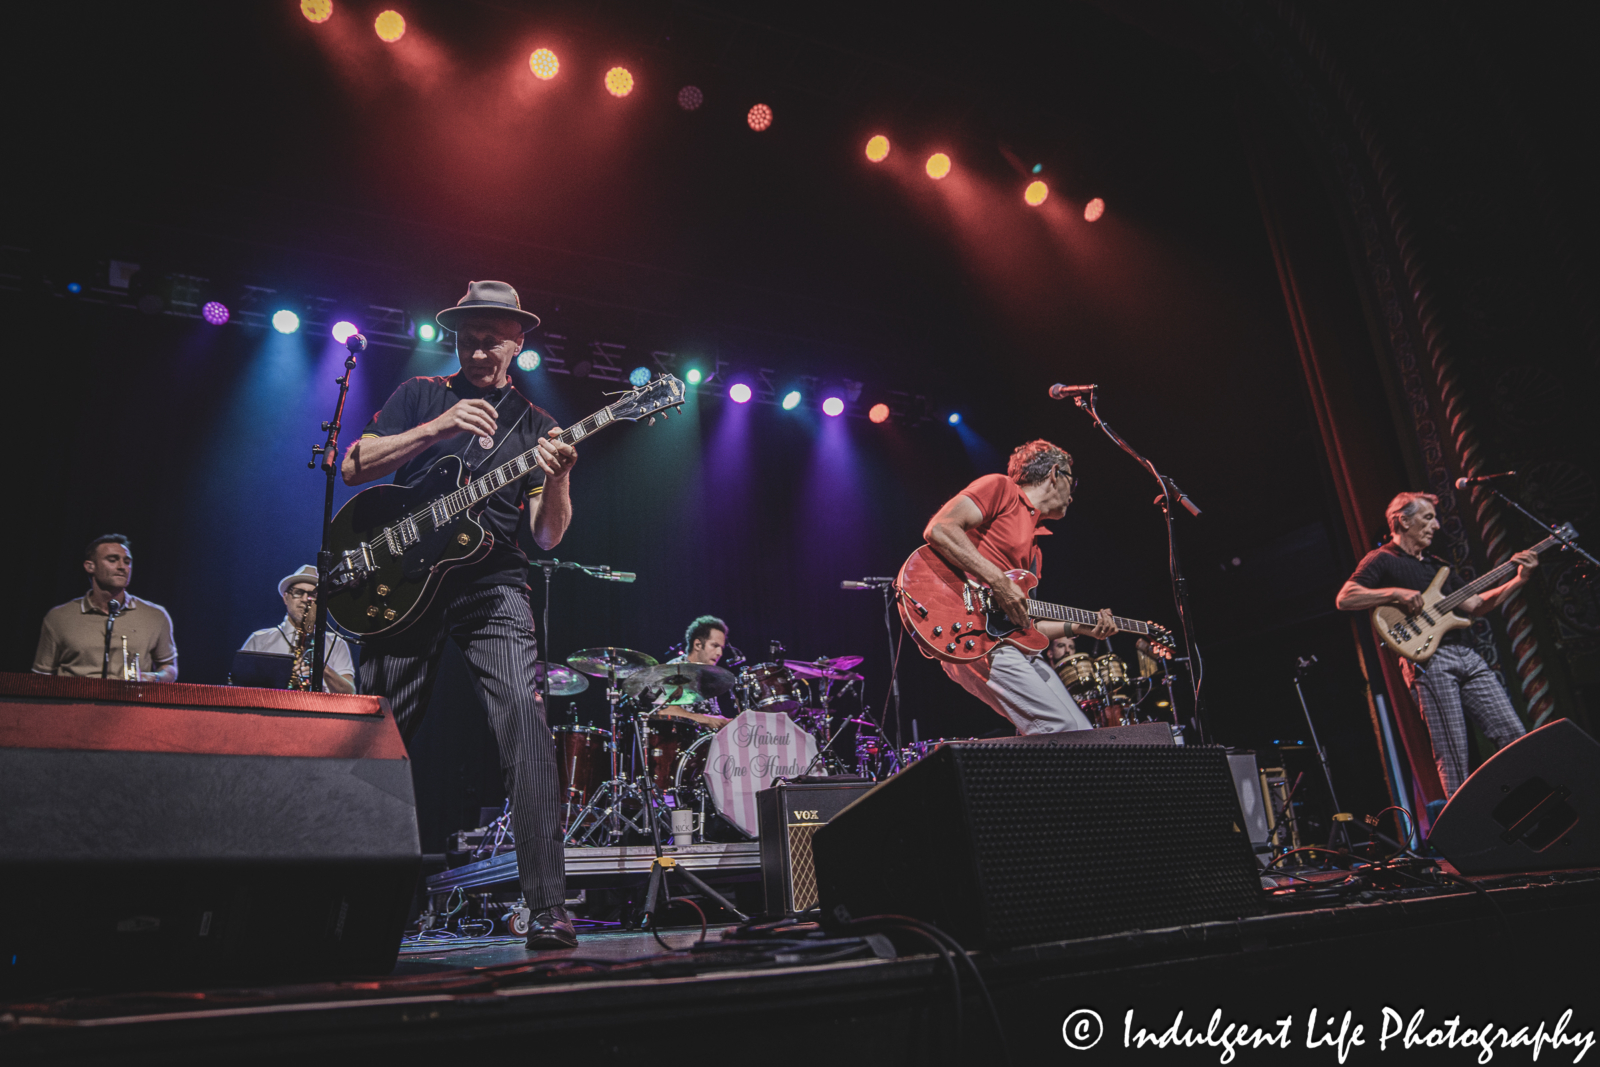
1011, 600
476, 417
1102, 628
1526, 562
554, 456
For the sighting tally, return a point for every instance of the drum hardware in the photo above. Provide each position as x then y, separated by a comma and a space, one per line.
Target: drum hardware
1339, 833
605, 807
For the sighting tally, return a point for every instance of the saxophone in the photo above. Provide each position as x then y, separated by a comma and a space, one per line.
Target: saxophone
300, 673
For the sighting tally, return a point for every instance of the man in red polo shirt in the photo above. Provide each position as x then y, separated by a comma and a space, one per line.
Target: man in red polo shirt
988, 529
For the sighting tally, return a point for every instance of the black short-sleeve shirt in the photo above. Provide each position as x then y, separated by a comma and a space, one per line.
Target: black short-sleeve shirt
1390, 567
520, 425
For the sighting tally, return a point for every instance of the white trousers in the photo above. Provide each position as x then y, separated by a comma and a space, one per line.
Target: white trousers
1025, 689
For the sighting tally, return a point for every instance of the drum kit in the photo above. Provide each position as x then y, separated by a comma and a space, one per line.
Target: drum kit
1101, 687
701, 739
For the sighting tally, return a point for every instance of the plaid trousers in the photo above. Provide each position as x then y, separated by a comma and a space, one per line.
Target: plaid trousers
493, 627
1456, 680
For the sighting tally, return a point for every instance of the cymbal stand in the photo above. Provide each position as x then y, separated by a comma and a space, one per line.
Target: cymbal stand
1338, 836
614, 790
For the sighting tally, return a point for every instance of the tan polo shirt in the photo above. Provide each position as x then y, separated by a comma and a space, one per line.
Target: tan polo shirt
72, 640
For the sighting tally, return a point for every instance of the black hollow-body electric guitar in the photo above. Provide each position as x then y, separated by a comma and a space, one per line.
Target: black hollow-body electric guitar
393, 544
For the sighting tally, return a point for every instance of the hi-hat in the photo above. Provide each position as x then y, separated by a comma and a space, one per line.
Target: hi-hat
564, 681
677, 680
599, 662
836, 669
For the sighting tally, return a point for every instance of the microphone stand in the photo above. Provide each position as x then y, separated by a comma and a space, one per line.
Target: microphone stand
329, 451
890, 591
549, 567
1570, 543
113, 609
1170, 495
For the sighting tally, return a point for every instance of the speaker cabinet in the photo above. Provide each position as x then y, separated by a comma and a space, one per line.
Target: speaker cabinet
1025, 841
1532, 806
789, 814
189, 834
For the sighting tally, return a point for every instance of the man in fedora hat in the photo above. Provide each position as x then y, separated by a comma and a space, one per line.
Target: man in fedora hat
483, 607
299, 593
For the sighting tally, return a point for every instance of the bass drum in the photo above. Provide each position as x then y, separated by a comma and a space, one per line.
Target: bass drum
732, 765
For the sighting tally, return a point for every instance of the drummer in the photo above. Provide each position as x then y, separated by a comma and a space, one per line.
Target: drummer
1060, 648
704, 641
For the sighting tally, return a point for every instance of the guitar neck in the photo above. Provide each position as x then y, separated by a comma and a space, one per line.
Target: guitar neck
1489, 579
1038, 609
515, 468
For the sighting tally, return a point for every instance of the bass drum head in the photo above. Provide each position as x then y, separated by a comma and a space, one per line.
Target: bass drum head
745, 756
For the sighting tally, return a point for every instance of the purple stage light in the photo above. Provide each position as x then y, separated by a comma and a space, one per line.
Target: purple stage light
343, 330
215, 312
833, 406
739, 393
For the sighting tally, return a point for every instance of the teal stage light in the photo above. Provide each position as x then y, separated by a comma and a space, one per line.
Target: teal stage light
427, 331
528, 360
285, 321
639, 377
791, 400
693, 376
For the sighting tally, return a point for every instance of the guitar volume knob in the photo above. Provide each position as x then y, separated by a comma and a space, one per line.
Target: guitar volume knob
970, 642
951, 647
937, 630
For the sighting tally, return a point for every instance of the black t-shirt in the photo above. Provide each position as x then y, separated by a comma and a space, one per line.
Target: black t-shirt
519, 427
1390, 567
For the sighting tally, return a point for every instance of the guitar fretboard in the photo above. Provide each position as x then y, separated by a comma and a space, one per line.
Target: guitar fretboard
1061, 613
1488, 580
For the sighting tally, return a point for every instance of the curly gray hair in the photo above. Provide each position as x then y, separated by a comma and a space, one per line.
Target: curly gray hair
1031, 463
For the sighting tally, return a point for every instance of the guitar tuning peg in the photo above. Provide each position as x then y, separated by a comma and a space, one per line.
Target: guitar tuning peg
652, 421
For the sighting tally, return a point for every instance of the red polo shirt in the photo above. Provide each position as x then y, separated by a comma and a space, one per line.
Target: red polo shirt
1010, 523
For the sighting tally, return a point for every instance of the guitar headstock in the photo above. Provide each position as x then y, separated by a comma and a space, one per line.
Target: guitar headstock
1161, 642
665, 392
1566, 533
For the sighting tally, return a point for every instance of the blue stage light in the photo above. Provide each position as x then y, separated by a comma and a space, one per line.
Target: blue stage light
427, 331
74, 287
285, 321
955, 418
528, 360
639, 377
694, 376
791, 400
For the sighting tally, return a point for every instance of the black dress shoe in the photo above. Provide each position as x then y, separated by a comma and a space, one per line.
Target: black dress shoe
551, 928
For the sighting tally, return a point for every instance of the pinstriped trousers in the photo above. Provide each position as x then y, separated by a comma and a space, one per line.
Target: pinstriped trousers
1455, 680
493, 627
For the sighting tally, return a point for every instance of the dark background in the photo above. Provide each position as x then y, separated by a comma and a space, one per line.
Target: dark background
240, 144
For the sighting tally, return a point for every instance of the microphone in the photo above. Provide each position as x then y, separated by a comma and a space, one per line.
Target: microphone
1463, 483
622, 576
867, 583
1065, 392
355, 343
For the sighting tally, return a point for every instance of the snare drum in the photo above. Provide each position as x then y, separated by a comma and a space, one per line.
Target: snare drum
772, 687
1116, 712
664, 739
1111, 672
1077, 673
583, 761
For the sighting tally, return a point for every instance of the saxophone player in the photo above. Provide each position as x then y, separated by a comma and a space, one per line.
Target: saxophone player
292, 636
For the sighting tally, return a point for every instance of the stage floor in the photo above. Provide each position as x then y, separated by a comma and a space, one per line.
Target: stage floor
1509, 950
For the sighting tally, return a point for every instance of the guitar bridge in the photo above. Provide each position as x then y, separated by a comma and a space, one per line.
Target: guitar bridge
352, 569
966, 597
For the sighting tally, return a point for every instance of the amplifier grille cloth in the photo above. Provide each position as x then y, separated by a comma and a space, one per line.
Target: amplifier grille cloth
802, 869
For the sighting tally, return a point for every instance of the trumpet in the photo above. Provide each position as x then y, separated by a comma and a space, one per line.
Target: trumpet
130, 665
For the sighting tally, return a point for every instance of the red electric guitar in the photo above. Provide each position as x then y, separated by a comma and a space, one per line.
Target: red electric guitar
953, 617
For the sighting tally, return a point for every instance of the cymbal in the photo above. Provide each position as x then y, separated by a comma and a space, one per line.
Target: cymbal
700, 679
564, 681
837, 669
597, 662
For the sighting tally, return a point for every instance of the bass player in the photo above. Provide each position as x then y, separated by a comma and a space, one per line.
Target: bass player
991, 527
1455, 679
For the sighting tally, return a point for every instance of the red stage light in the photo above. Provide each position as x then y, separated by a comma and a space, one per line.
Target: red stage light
690, 97
391, 26
316, 10
938, 165
759, 118
618, 81
878, 413
878, 148
1035, 193
544, 64
1094, 209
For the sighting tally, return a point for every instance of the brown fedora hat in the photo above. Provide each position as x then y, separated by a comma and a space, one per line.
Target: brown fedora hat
487, 296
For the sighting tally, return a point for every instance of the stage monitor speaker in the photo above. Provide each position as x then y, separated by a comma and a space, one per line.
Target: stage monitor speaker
192, 834
788, 814
1030, 840
1532, 806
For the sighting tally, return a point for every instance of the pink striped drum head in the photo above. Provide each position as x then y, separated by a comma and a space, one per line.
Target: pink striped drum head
746, 755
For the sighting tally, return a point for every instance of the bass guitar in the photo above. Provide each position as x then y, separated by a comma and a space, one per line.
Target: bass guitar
953, 617
1415, 635
393, 544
